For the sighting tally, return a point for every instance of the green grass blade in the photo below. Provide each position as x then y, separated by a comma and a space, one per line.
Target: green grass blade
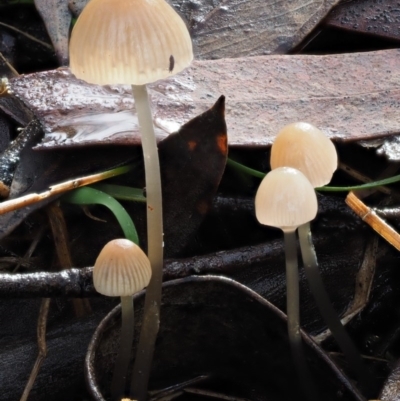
121, 192
369, 185
240, 167
90, 196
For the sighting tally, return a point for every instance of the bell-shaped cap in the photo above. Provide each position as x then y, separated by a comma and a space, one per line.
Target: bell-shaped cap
305, 148
132, 42
121, 269
285, 199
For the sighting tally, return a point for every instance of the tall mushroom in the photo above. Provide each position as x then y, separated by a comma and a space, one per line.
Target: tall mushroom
121, 270
136, 42
285, 199
304, 147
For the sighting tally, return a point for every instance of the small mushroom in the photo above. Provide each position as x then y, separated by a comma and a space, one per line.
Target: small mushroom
121, 270
286, 199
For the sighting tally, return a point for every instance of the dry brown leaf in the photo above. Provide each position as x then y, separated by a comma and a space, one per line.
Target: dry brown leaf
378, 18
348, 96
238, 28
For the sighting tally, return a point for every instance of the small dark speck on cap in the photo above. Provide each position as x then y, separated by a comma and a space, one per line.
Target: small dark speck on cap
171, 63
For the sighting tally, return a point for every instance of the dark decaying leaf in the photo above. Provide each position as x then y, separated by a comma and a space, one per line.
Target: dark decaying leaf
373, 17
16, 110
337, 93
217, 327
61, 375
57, 18
236, 28
192, 163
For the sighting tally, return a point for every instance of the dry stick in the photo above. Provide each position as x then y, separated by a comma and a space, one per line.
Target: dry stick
60, 235
57, 189
293, 316
12, 69
151, 313
365, 179
41, 337
327, 311
38, 236
27, 35
371, 218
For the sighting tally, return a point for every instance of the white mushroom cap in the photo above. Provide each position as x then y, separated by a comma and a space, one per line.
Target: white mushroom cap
132, 42
121, 269
285, 199
305, 148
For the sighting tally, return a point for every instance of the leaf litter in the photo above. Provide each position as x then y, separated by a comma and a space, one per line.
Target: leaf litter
348, 96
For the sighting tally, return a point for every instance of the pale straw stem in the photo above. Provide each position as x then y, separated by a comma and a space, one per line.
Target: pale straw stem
151, 322
293, 316
122, 362
327, 311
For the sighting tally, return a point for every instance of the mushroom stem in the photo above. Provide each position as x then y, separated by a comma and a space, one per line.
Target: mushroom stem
151, 322
293, 315
327, 311
124, 353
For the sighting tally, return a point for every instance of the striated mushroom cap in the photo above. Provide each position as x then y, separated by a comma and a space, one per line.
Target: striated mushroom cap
306, 148
121, 269
285, 199
132, 42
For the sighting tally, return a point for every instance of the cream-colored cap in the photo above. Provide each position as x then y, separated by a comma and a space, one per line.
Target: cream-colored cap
305, 148
285, 199
121, 269
132, 42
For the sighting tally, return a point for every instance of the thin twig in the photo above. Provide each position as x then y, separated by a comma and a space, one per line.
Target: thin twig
12, 69
371, 218
61, 242
41, 339
57, 189
31, 249
212, 394
27, 35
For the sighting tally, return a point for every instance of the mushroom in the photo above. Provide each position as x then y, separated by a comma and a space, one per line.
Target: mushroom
136, 42
121, 270
304, 147
286, 199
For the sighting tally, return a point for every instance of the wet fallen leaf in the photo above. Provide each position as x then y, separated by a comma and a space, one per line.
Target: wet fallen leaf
237, 28
337, 93
192, 163
373, 17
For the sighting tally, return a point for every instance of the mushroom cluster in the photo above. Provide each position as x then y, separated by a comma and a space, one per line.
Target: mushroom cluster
303, 151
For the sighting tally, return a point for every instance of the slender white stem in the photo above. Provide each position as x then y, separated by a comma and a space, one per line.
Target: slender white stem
124, 354
151, 322
328, 312
293, 315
